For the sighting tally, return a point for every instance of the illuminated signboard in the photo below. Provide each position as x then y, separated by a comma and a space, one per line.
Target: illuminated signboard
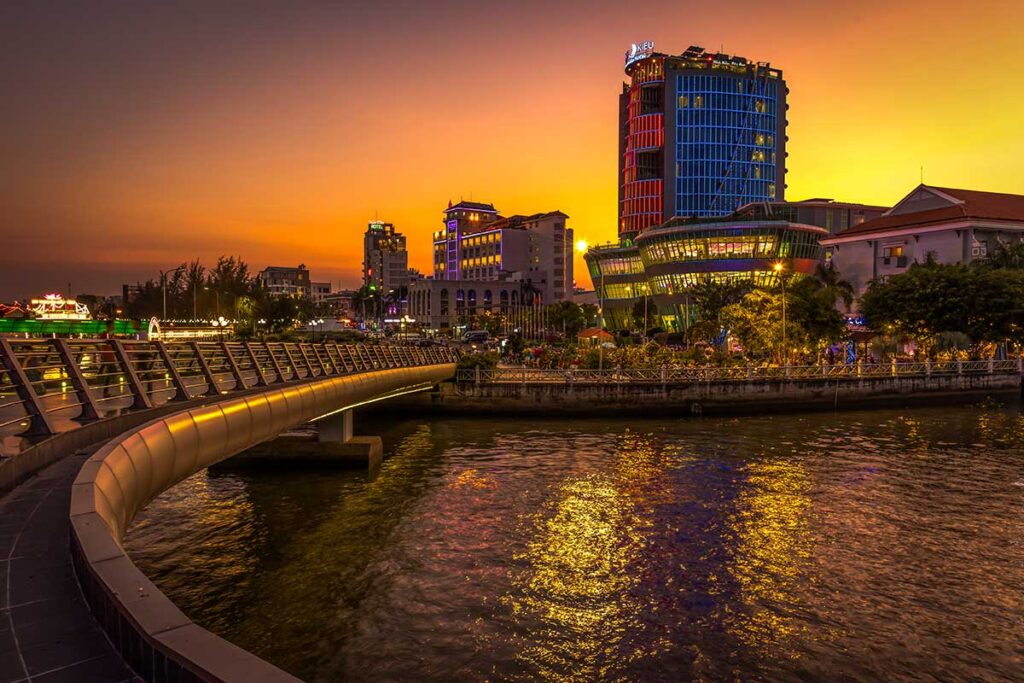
636, 51
56, 307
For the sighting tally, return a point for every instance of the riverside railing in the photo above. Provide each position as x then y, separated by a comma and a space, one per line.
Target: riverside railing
742, 373
49, 386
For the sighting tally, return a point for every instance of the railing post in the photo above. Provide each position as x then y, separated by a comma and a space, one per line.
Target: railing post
305, 357
141, 399
261, 379
895, 371
750, 372
334, 353
89, 410
991, 366
927, 367
789, 369
181, 391
478, 375
959, 366
860, 367
1020, 365
39, 421
233, 364
211, 381
291, 360
273, 362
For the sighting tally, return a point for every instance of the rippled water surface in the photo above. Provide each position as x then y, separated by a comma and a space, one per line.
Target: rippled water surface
870, 545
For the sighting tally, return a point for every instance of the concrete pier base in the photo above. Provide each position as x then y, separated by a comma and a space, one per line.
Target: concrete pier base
327, 443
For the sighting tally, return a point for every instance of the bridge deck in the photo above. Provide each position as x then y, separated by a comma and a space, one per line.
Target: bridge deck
47, 633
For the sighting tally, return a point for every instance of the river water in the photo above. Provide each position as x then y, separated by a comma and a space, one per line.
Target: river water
854, 546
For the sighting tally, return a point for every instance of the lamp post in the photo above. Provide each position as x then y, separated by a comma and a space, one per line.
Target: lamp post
647, 291
780, 269
216, 293
163, 290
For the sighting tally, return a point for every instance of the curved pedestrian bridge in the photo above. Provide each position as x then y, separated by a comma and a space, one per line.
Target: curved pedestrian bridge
109, 425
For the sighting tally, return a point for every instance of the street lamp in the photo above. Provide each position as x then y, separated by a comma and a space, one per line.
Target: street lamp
779, 268
163, 288
647, 290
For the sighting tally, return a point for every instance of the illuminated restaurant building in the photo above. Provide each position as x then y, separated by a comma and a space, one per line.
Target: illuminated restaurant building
664, 262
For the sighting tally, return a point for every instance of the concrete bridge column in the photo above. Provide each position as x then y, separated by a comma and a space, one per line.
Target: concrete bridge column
337, 427
332, 445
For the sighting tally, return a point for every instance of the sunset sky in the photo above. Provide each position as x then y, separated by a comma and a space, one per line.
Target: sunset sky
136, 135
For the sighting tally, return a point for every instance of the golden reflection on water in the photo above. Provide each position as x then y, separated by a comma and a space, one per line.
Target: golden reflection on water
583, 560
772, 546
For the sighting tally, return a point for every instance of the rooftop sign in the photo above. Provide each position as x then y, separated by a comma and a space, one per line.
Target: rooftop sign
636, 52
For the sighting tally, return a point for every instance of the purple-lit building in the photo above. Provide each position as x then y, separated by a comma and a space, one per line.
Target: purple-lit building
478, 244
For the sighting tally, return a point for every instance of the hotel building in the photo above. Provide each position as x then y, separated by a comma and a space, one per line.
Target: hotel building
385, 259
478, 244
700, 134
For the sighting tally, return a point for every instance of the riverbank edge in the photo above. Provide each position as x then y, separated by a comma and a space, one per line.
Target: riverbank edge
705, 399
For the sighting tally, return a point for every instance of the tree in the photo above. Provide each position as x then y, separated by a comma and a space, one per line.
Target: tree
756, 322
811, 315
984, 302
1005, 256
836, 287
641, 307
711, 296
567, 317
590, 314
367, 302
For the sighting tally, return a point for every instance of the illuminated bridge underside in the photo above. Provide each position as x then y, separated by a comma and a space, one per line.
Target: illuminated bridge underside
156, 638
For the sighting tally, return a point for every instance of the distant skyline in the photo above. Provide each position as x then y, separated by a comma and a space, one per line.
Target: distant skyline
138, 135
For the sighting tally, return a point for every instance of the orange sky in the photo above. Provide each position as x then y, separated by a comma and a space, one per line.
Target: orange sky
137, 136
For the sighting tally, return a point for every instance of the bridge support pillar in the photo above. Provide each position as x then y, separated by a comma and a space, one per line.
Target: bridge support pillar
336, 428
333, 445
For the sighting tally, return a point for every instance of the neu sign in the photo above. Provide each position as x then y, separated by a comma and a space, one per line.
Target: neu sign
636, 51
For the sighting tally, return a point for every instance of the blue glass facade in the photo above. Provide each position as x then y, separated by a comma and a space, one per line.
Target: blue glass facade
727, 142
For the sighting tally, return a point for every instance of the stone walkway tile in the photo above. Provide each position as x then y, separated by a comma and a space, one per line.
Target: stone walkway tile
10, 663
55, 654
33, 579
51, 621
105, 669
4, 568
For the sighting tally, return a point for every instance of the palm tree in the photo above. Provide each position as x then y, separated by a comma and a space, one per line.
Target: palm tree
837, 288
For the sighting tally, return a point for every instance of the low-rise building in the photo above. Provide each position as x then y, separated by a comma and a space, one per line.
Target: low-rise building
319, 291
340, 303
285, 281
951, 225
446, 304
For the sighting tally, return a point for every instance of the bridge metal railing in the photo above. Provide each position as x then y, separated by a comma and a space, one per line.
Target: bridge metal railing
53, 385
740, 373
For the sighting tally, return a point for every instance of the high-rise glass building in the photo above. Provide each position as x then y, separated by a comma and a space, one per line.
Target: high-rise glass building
700, 134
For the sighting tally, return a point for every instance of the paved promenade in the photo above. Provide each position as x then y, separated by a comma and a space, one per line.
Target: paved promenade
47, 634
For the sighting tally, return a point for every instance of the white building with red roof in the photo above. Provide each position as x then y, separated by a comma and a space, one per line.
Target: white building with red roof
955, 226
